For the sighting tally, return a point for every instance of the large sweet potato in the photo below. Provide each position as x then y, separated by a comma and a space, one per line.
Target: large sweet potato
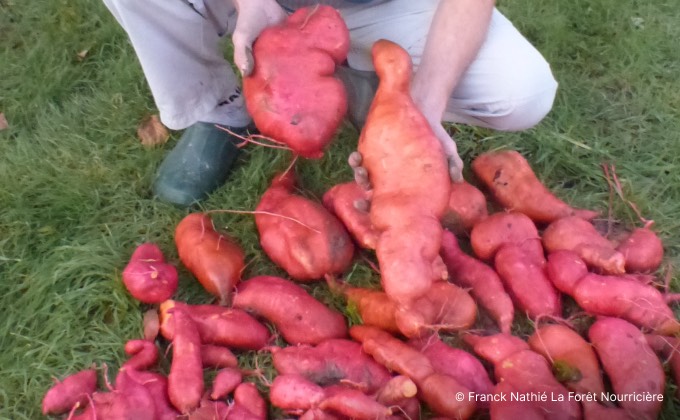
300, 235
499, 229
467, 206
292, 94
408, 171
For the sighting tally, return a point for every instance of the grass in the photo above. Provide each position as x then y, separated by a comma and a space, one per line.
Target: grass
75, 196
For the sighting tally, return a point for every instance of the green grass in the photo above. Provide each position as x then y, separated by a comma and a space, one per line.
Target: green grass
75, 198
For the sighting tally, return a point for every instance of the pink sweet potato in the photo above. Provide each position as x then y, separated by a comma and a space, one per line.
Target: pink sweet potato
210, 410
148, 277
353, 404
467, 206
292, 392
669, 348
342, 200
580, 236
215, 259
300, 235
157, 386
513, 183
565, 269
213, 356
573, 360
133, 400
229, 327
299, 317
484, 284
630, 364
225, 383
642, 250
74, 389
593, 410
292, 93
408, 171
498, 229
248, 403
144, 355
185, 381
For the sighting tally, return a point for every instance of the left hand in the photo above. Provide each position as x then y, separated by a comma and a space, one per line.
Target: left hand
451, 152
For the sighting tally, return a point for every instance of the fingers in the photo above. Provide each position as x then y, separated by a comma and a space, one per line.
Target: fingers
243, 59
451, 151
360, 173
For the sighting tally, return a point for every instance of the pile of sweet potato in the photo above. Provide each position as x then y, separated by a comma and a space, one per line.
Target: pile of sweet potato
435, 338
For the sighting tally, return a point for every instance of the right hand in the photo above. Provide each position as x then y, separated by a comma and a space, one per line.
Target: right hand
253, 17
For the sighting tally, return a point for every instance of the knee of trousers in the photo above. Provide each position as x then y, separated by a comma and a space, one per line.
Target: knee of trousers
524, 113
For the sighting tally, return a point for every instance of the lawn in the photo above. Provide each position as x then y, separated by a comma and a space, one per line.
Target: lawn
74, 179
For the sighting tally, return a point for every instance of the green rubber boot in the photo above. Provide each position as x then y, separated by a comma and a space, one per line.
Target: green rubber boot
361, 87
199, 164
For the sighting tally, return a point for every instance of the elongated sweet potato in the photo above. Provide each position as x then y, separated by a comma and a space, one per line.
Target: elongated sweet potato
642, 250
300, 235
292, 392
148, 277
353, 404
342, 200
467, 206
72, 390
217, 357
580, 236
229, 327
212, 257
225, 383
565, 269
484, 284
185, 381
509, 177
573, 360
630, 364
408, 171
499, 229
299, 317
292, 93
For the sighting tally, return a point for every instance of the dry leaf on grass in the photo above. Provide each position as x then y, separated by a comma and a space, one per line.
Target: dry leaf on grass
3, 122
81, 55
152, 132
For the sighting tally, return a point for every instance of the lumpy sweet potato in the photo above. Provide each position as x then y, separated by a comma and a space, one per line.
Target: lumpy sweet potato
292, 94
409, 175
342, 200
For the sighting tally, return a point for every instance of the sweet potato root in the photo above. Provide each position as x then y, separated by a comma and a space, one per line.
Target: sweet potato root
299, 317
467, 206
212, 257
630, 364
300, 235
342, 200
229, 327
72, 390
580, 236
148, 277
512, 182
408, 171
499, 229
484, 284
292, 93
642, 251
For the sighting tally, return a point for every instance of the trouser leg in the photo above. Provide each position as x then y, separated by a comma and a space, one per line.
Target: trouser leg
177, 43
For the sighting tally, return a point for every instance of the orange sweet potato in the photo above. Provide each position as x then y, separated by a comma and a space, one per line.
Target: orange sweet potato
512, 182
292, 94
498, 229
299, 317
342, 201
642, 251
300, 235
148, 277
374, 307
580, 236
408, 171
467, 206
484, 284
214, 258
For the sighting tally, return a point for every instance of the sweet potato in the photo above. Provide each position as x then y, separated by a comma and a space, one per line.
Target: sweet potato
210, 410
484, 284
630, 364
526, 281
434, 389
573, 360
225, 383
331, 362
299, 317
618, 296
248, 403
72, 390
374, 307
342, 200
499, 229
593, 410
400, 393
148, 277
513, 183
580, 236
144, 354
292, 393
229, 327
642, 251
217, 357
409, 175
669, 348
157, 386
213, 258
292, 94
467, 206
132, 399
353, 404
185, 381
300, 235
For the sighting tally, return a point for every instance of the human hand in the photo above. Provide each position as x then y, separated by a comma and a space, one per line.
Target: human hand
451, 152
253, 17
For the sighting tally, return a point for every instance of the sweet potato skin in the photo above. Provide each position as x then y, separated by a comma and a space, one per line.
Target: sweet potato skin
300, 235
498, 229
467, 206
147, 276
299, 317
340, 200
292, 94
408, 171
512, 182
213, 258
72, 390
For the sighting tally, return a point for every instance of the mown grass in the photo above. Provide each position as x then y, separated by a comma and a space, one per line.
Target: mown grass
75, 198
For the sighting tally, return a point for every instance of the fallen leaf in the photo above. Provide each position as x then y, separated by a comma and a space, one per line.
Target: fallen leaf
152, 132
80, 56
3, 122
